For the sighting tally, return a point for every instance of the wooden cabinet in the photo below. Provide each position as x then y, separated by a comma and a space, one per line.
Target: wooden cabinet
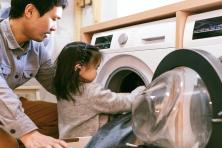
29, 92
179, 10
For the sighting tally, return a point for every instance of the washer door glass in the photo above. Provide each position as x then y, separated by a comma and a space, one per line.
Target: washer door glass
175, 111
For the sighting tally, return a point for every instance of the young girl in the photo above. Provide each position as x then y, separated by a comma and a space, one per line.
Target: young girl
81, 102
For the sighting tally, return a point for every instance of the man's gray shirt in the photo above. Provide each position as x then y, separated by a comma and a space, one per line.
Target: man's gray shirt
18, 65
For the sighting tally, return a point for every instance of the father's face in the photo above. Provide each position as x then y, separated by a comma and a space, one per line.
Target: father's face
39, 28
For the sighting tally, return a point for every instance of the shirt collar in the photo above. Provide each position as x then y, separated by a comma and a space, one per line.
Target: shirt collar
10, 38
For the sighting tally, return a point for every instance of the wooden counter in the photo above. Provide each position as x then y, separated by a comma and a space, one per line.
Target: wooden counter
179, 10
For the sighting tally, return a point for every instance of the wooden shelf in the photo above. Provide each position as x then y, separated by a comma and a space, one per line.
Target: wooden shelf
179, 10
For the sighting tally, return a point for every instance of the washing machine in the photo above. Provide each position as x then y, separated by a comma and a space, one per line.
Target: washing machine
131, 54
183, 105
182, 108
204, 31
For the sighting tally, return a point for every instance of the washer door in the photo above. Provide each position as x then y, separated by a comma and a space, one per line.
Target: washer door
177, 111
123, 73
182, 106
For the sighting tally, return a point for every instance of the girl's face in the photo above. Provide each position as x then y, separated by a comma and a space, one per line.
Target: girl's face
88, 73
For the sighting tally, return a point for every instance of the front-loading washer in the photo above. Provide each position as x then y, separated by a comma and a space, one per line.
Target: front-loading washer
131, 54
182, 108
204, 31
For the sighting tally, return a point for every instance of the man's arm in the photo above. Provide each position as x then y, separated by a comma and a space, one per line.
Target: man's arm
46, 70
12, 116
15, 121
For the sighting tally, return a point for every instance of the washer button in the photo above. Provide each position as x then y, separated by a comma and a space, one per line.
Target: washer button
123, 38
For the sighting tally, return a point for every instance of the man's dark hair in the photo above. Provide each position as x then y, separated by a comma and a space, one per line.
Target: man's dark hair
43, 6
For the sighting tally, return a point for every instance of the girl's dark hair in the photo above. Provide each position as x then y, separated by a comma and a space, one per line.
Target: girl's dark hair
67, 80
43, 6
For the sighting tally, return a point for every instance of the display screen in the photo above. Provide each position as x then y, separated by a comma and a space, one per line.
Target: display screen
206, 28
103, 42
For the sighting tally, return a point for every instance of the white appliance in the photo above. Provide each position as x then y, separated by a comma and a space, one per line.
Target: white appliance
182, 108
204, 31
131, 54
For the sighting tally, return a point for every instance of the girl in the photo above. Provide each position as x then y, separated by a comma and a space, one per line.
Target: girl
80, 102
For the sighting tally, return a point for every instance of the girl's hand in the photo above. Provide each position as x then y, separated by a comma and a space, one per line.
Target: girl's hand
137, 91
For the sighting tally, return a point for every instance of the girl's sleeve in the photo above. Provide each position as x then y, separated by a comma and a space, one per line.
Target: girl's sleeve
106, 101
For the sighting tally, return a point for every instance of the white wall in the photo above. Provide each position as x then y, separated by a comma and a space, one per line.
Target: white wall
66, 31
87, 18
111, 9
127, 7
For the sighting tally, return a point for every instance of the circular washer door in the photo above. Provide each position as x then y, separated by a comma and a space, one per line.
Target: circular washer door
186, 93
123, 73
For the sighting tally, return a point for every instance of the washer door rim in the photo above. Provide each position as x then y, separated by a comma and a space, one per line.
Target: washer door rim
209, 69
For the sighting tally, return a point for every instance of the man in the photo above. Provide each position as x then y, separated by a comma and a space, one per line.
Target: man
23, 56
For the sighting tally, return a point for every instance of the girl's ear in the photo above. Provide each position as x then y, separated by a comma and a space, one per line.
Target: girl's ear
78, 67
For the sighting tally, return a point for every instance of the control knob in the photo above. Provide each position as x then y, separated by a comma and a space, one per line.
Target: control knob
122, 39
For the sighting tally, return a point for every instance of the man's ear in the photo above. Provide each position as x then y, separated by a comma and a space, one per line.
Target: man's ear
78, 67
29, 9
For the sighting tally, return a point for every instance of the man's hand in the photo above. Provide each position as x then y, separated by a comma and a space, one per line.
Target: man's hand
36, 140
